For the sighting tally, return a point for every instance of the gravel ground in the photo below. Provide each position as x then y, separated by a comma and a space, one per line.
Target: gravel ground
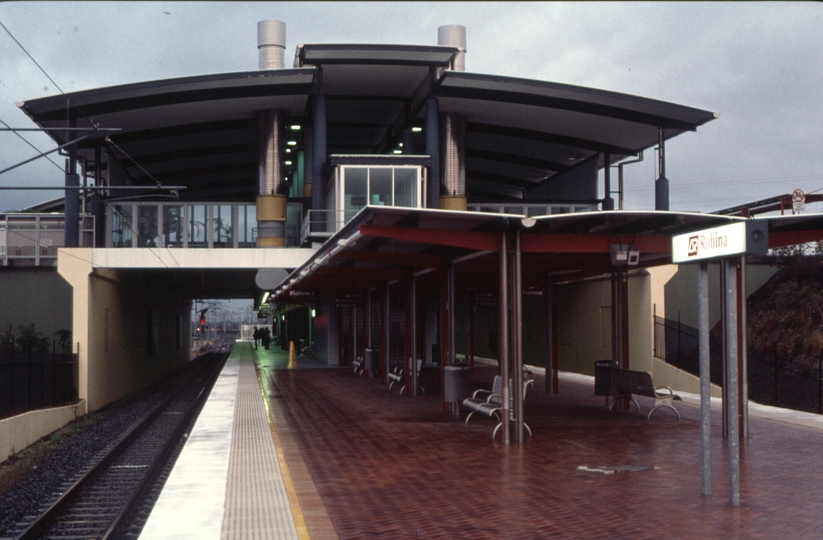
59, 460
36, 477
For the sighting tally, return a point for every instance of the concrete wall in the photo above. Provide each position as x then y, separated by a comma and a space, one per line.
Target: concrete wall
132, 327
584, 323
36, 295
18, 432
676, 289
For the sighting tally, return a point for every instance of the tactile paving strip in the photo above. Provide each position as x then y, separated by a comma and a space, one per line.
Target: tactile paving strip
257, 502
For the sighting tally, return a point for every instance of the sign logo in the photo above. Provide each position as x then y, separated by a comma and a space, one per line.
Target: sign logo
694, 242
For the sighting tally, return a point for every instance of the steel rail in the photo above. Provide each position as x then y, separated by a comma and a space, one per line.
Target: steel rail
116, 528
35, 529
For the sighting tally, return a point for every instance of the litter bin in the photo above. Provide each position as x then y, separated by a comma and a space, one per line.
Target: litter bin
603, 377
457, 384
371, 359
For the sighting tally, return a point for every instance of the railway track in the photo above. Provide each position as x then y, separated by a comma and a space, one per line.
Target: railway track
113, 498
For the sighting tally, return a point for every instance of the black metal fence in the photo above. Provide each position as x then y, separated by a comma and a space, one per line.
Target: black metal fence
677, 344
36, 379
773, 380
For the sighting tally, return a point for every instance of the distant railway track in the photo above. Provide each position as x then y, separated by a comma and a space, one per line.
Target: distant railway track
108, 499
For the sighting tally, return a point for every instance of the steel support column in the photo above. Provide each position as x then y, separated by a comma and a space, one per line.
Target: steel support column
550, 336
318, 193
72, 194
413, 333
433, 143
384, 377
504, 337
733, 439
743, 348
517, 338
705, 375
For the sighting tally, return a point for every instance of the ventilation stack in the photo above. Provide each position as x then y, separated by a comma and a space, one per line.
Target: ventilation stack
453, 130
271, 204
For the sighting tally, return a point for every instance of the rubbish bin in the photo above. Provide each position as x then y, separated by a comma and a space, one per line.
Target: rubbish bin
457, 384
603, 378
371, 359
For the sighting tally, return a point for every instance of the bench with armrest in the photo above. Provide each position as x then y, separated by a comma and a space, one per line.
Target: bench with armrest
357, 365
398, 375
490, 402
627, 383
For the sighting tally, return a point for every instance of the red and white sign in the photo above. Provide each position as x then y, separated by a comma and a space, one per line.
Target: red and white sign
798, 200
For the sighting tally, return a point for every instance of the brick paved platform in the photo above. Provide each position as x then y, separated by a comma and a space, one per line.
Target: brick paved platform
324, 454
390, 466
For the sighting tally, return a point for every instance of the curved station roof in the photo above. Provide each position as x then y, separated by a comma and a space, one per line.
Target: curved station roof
201, 132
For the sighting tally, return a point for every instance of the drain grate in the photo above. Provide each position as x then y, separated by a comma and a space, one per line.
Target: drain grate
611, 469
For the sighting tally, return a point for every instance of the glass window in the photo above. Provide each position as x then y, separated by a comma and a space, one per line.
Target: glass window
516, 210
52, 235
221, 217
560, 209
147, 226
121, 233
246, 223
380, 186
536, 211
356, 190
197, 226
173, 225
405, 187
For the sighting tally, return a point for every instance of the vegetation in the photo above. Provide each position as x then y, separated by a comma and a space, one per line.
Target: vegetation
785, 334
30, 340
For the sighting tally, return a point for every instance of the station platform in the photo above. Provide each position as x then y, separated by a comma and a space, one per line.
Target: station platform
322, 453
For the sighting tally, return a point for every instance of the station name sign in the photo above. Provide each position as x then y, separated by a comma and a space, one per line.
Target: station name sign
748, 237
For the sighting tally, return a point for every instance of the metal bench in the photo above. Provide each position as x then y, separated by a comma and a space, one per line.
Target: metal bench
490, 402
627, 383
357, 365
398, 375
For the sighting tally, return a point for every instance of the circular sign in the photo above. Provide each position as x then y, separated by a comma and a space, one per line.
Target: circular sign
798, 195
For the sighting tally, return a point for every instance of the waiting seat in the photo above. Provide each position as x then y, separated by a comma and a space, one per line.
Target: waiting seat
628, 382
490, 402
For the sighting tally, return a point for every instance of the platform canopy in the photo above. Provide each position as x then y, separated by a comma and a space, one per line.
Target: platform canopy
201, 131
384, 244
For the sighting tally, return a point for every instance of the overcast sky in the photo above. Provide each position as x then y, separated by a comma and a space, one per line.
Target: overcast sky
759, 64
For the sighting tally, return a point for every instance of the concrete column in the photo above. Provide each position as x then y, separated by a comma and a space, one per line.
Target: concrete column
271, 205
318, 193
453, 191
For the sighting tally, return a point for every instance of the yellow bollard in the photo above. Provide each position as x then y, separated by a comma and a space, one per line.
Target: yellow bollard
292, 359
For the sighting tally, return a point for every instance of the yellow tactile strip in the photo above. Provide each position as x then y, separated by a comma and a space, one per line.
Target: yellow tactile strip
257, 501
311, 519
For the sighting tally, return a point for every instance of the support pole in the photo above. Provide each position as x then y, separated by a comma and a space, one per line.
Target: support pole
705, 375
413, 333
733, 440
504, 337
451, 307
517, 317
72, 195
386, 336
743, 348
608, 201
550, 335
318, 193
433, 143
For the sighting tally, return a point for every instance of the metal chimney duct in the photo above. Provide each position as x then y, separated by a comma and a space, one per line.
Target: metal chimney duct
453, 130
454, 35
271, 44
453, 154
271, 205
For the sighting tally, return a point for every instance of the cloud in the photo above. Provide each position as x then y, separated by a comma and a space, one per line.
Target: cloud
755, 62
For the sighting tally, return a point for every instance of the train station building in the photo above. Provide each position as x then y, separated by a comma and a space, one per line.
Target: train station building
385, 206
